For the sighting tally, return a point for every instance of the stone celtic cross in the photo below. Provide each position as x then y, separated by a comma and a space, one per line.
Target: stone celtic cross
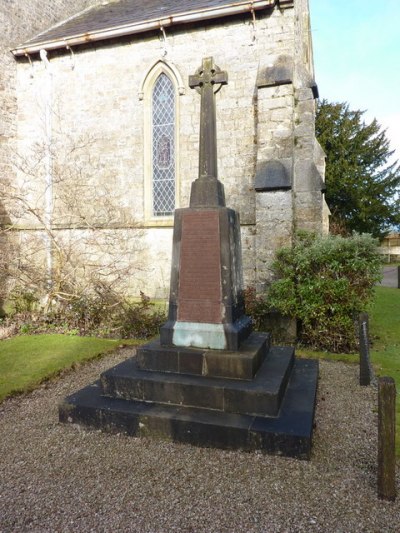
207, 81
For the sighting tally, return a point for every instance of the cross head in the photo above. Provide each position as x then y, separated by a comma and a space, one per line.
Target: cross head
208, 75
207, 81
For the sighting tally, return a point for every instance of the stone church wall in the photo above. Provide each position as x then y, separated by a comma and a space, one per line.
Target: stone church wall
20, 20
81, 131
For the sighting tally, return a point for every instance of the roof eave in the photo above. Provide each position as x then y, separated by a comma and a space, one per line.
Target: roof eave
130, 29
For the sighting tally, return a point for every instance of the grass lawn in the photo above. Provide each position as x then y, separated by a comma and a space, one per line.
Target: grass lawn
28, 360
385, 333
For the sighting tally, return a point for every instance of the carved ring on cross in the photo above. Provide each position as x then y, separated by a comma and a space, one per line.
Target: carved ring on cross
204, 76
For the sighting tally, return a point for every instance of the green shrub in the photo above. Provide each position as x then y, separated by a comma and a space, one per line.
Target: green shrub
88, 310
324, 282
138, 320
23, 301
99, 311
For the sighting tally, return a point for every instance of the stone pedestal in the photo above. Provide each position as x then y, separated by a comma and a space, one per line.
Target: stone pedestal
206, 308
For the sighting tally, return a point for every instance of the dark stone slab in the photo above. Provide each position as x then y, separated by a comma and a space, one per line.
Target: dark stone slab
261, 396
190, 363
125, 381
212, 429
272, 176
87, 407
283, 329
241, 364
280, 73
153, 356
288, 434
292, 430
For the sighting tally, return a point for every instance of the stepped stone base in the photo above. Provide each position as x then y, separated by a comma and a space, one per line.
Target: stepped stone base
273, 412
262, 396
241, 364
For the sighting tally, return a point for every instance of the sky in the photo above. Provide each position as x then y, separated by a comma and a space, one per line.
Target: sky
357, 58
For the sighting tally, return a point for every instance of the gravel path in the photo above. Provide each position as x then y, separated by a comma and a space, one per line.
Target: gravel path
56, 478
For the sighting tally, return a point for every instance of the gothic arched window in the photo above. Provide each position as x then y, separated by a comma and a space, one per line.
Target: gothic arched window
163, 147
159, 91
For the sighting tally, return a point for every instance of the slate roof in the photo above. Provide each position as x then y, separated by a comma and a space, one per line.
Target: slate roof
116, 14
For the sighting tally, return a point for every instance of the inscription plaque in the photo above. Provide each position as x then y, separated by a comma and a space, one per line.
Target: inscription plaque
200, 268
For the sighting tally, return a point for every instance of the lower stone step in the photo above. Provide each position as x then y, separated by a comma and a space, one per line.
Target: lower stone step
262, 396
288, 434
241, 364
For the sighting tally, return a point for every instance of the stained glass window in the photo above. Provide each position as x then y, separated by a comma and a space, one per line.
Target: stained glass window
163, 123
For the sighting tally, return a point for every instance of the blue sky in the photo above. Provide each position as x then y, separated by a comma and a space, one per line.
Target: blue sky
357, 58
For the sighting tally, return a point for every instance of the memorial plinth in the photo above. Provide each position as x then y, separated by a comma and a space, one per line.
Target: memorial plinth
206, 308
208, 380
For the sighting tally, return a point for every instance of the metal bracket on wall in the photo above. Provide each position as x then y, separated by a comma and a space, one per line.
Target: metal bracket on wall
72, 56
164, 41
254, 24
30, 62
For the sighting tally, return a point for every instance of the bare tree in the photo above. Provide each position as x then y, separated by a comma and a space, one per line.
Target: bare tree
63, 234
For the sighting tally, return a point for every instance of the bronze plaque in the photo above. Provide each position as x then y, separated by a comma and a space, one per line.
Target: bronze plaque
200, 268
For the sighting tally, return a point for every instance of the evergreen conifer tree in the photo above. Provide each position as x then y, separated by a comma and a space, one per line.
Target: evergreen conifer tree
362, 184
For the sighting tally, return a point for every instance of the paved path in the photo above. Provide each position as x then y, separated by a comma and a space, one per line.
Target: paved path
390, 276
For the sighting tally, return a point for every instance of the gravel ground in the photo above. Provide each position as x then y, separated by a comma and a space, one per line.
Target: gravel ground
61, 478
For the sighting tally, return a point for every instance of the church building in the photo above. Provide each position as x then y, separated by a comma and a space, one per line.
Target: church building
103, 142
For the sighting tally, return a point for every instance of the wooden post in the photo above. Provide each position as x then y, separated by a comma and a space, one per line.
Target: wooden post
386, 438
365, 363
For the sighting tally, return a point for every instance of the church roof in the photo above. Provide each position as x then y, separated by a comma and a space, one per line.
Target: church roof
125, 17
